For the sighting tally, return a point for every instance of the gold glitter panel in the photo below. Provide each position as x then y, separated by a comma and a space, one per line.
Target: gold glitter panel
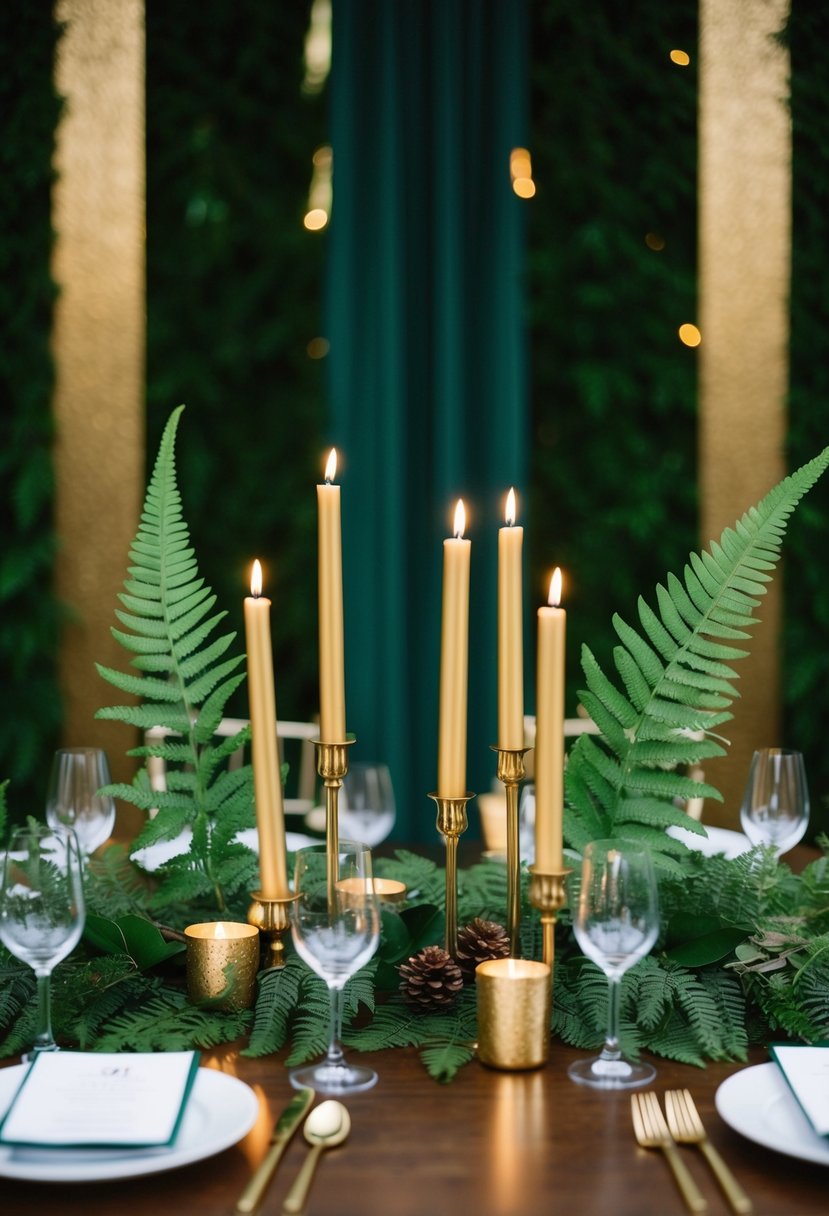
99, 342
744, 266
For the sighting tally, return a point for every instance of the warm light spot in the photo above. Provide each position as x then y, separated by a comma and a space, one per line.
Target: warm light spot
690, 335
654, 241
554, 597
521, 172
460, 519
680, 57
315, 219
256, 578
318, 348
317, 47
331, 465
509, 513
520, 163
220, 931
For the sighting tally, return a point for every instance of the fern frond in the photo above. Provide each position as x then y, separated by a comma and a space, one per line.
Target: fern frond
182, 676
676, 675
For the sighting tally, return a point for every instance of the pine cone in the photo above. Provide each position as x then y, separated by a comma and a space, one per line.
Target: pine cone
430, 980
478, 941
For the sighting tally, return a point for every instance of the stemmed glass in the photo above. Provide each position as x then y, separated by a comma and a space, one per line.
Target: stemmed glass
335, 924
775, 808
74, 801
616, 922
367, 807
42, 910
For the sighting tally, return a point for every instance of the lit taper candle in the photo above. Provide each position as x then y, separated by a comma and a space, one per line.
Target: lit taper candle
510, 633
267, 783
331, 637
454, 661
549, 731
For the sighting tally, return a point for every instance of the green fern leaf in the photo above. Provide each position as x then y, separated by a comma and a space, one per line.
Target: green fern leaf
183, 676
677, 677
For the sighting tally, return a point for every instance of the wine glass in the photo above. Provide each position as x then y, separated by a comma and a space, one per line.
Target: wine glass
616, 922
775, 808
42, 910
367, 810
335, 925
74, 801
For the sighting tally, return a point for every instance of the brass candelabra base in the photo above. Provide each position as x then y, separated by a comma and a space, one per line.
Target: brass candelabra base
273, 920
511, 772
332, 766
547, 893
451, 823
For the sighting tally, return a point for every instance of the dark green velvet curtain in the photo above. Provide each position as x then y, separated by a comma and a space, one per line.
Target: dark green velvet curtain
427, 361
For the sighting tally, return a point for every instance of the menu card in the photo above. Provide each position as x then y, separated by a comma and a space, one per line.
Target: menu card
806, 1070
74, 1098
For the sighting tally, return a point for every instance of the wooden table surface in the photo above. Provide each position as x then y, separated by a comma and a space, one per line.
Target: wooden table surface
489, 1144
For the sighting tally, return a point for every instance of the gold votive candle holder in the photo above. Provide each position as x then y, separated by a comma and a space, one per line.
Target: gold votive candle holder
222, 962
387, 890
513, 1013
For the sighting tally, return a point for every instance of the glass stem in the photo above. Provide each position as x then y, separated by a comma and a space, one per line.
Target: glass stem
611, 1050
335, 1051
44, 1039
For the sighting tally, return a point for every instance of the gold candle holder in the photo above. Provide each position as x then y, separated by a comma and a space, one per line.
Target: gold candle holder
273, 920
387, 890
451, 823
514, 998
214, 946
332, 766
548, 894
511, 772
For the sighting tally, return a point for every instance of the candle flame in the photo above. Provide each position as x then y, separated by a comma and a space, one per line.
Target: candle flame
509, 514
554, 598
256, 579
220, 930
460, 519
331, 466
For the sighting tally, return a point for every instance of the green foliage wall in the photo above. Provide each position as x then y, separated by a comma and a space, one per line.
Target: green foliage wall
29, 109
234, 296
806, 640
614, 390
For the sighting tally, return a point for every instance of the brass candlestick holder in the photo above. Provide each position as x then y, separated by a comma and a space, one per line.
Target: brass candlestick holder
332, 766
272, 918
451, 823
547, 893
511, 772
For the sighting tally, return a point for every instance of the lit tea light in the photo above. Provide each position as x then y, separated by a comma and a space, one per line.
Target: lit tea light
387, 890
222, 962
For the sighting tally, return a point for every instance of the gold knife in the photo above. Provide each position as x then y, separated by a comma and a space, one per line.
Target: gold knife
286, 1125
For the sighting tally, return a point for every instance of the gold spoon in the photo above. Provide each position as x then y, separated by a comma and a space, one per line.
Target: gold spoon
327, 1125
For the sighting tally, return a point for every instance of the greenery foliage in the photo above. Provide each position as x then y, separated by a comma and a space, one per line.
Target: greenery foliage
184, 683
678, 683
29, 107
234, 298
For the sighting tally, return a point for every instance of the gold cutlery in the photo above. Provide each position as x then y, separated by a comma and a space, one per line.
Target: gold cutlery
687, 1128
327, 1125
652, 1132
286, 1125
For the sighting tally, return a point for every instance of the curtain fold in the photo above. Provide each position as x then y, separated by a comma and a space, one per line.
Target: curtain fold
427, 374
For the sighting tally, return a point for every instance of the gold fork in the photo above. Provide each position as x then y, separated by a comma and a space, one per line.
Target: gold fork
652, 1132
686, 1127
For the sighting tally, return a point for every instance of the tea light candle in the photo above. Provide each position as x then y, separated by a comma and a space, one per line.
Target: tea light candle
513, 1012
211, 947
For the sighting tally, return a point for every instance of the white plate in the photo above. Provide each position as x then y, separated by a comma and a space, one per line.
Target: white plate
220, 1111
719, 840
758, 1104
